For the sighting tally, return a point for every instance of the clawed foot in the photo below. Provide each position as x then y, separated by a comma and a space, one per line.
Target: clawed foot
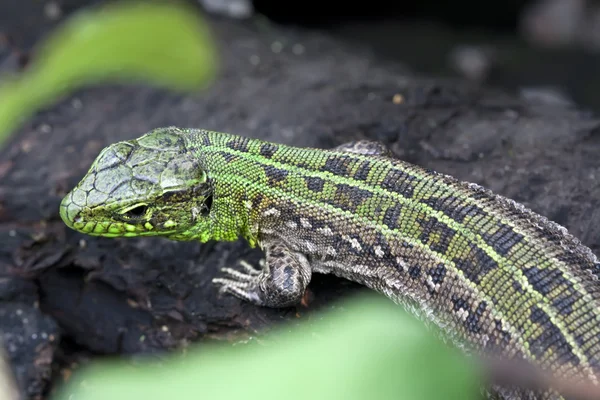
280, 282
244, 284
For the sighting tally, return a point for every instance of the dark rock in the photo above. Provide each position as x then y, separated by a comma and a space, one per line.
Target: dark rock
30, 339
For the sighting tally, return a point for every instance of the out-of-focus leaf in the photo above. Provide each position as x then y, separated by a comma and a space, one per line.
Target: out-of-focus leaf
366, 349
8, 386
164, 44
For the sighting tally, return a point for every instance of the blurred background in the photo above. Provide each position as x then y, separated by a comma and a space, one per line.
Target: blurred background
540, 48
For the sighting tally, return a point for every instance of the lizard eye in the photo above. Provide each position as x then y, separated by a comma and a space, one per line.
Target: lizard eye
137, 212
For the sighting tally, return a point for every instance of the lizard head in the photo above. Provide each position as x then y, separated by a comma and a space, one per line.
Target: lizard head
151, 186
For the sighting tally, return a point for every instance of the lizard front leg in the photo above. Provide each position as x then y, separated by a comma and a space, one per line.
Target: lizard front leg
280, 283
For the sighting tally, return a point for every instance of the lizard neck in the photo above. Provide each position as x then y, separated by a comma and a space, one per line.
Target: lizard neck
227, 223
235, 206
233, 217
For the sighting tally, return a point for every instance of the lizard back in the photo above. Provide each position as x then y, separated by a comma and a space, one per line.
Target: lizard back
491, 273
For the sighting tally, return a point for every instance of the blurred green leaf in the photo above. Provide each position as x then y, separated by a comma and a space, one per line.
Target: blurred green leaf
165, 44
369, 348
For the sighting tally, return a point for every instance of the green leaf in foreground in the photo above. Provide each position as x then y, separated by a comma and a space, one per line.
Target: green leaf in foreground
165, 44
368, 348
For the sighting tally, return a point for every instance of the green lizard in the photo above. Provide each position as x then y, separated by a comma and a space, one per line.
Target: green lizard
495, 276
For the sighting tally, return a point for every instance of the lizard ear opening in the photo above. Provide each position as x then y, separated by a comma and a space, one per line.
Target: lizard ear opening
207, 206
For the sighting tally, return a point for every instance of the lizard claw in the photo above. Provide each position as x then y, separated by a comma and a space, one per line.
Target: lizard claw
243, 284
242, 290
251, 269
279, 281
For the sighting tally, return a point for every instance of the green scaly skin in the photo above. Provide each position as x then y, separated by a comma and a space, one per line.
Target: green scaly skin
495, 276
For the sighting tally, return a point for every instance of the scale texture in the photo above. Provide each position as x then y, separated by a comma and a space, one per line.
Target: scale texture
494, 276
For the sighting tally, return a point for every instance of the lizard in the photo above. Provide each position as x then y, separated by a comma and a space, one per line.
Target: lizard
493, 275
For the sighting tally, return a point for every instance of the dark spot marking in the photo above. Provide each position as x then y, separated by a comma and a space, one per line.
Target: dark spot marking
436, 234
453, 207
475, 264
314, 183
474, 317
459, 303
349, 198
302, 164
228, 157
503, 337
206, 140
294, 216
363, 171
518, 287
268, 149
438, 273
239, 143
550, 338
460, 213
414, 272
391, 218
503, 240
275, 175
257, 200
544, 280
398, 181
564, 304
338, 243
337, 165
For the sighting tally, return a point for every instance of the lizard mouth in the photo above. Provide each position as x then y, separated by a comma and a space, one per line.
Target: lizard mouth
72, 215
